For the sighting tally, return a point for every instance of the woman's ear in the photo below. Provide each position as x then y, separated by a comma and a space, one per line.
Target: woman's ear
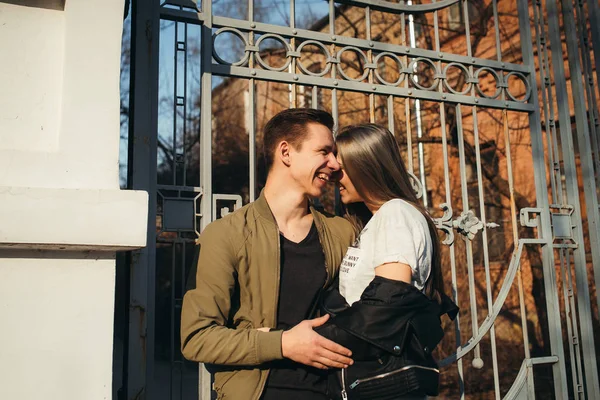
283, 152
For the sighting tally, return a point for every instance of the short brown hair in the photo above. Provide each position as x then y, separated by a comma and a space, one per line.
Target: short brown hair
287, 125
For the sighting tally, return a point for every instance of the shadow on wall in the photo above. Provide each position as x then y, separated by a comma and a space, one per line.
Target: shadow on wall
49, 4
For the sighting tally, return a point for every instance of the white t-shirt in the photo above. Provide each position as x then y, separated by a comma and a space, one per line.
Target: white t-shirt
397, 232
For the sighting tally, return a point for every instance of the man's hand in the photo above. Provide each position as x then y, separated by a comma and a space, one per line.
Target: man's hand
302, 344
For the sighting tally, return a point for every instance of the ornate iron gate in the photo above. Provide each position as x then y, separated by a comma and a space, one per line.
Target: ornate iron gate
502, 146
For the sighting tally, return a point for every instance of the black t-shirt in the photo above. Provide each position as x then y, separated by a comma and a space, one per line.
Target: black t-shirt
302, 276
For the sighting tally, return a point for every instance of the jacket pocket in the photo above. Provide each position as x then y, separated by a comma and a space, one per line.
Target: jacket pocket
408, 380
221, 379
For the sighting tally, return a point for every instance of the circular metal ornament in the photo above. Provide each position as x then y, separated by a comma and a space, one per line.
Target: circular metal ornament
496, 78
361, 54
466, 73
398, 63
523, 79
411, 67
325, 53
281, 40
237, 33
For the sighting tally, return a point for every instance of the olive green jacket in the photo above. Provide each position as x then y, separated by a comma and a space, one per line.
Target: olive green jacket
237, 291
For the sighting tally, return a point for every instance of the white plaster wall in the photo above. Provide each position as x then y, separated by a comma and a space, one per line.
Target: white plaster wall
32, 48
61, 71
59, 191
57, 326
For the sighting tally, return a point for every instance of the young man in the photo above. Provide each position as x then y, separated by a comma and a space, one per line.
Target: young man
261, 269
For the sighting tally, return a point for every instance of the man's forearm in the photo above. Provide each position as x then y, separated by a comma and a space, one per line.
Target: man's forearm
225, 346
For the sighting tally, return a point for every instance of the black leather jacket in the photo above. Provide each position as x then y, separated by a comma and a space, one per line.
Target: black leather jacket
391, 332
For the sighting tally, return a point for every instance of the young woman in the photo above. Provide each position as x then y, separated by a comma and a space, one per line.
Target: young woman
390, 299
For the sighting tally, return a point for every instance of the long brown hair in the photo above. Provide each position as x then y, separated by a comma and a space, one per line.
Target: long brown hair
371, 159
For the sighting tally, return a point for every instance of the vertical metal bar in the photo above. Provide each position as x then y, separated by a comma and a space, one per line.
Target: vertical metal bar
593, 157
515, 229
546, 106
390, 113
513, 214
497, 30
420, 149
590, 92
407, 99
459, 363
370, 61
206, 147
589, 186
180, 301
185, 73
143, 144
594, 15
572, 331
465, 197
292, 67
172, 318
481, 207
468, 244
557, 198
537, 149
252, 138
465, 6
594, 22
175, 102
486, 257
334, 102
251, 114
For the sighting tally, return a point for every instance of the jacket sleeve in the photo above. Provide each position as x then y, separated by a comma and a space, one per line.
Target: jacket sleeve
380, 321
205, 336
333, 303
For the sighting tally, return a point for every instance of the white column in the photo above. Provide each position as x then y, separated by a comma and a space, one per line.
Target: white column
62, 215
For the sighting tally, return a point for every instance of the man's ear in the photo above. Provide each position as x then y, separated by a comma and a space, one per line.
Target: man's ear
283, 152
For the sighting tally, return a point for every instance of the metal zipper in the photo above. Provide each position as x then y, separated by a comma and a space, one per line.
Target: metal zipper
264, 382
386, 374
344, 394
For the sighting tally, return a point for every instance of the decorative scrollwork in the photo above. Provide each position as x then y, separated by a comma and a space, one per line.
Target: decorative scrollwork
361, 54
465, 73
488, 80
241, 36
497, 79
523, 79
412, 67
379, 58
324, 53
284, 44
466, 224
445, 223
416, 185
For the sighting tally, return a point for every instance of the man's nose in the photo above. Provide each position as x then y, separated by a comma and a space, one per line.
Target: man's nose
333, 164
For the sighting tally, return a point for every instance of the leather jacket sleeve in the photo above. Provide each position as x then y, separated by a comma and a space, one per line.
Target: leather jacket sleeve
387, 315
